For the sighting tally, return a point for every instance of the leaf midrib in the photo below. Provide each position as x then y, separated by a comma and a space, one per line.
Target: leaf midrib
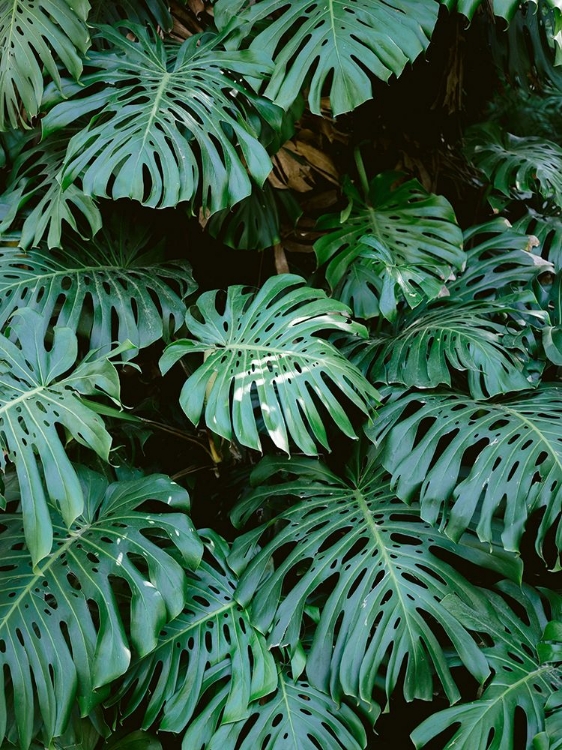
73, 535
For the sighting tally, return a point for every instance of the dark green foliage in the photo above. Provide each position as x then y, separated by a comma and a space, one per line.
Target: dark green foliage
388, 223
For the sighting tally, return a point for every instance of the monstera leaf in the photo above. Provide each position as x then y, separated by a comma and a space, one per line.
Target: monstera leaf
517, 167
88, 286
34, 187
40, 392
296, 717
471, 461
54, 647
503, 8
398, 242
312, 42
521, 682
37, 34
501, 260
255, 223
374, 568
137, 11
170, 124
264, 350
212, 629
447, 339
547, 227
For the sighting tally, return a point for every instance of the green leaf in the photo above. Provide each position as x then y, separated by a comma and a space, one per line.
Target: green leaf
171, 123
448, 339
377, 571
517, 167
134, 11
62, 634
213, 629
264, 350
520, 681
36, 201
472, 461
40, 392
547, 227
296, 717
501, 260
312, 42
36, 35
115, 288
398, 243
255, 223
503, 8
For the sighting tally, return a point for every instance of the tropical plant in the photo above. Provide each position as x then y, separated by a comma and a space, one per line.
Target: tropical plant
280, 350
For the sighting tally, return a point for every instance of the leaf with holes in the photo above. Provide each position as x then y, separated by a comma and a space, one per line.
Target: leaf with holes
375, 569
35, 200
115, 288
501, 261
520, 681
171, 124
517, 167
450, 338
547, 228
399, 243
295, 717
211, 630
62, 634
37, 35
40, 392
331, 48
265, 349
470, 461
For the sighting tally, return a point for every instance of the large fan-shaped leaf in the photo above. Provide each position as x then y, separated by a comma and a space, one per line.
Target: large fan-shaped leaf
36, 201
264, 349
448, 339
211, 629
517, 167
380, 570
313, 41
397, 242
136, 11
54, 647
90, 286
471, 461
39, 394
501, 260
170, 123
37, 34
520, 683
296, 717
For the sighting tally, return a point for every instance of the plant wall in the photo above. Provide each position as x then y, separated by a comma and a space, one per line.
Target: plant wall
280, 350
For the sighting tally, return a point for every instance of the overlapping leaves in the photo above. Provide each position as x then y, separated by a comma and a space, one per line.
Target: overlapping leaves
313, 41
89, 286
264, 350
213, 630
62, 633
521, 681
170, 124
374, 568
448, 339
398, 243
518, 167
295, 717
40, 392
471, 461
37, 35
36, 201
